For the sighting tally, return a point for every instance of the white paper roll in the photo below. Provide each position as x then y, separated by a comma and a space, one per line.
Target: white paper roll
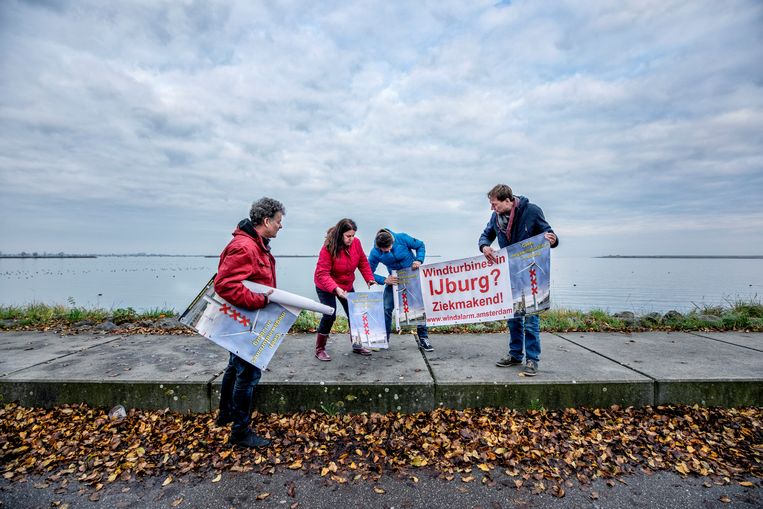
290, 299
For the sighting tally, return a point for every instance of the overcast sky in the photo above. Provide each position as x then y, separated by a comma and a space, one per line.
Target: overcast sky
151, 126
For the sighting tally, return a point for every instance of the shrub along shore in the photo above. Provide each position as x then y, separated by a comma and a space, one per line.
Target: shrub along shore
746, 316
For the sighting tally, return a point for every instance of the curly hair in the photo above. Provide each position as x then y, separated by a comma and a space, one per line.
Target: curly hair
501, 192
265, 207
334, 236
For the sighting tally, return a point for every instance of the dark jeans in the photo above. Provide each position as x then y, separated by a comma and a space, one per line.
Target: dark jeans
239, 381
524, 334
389, 305
329, 299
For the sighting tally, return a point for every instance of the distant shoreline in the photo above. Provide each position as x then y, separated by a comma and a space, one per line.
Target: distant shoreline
138, 255
274, 256
690, 257
47, 256
143, 255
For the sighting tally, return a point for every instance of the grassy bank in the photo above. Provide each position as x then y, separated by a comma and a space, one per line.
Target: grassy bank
740, 315
43, 314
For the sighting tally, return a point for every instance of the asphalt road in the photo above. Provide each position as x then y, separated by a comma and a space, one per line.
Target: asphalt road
287, 488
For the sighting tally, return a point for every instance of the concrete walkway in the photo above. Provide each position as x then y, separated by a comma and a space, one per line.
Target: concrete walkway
577, 369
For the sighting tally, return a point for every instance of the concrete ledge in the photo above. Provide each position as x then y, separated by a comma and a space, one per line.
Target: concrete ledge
151, 372
394, 380
545, 395
688, 368
466, 376
181, 397
284, 398
727, 393
576, 369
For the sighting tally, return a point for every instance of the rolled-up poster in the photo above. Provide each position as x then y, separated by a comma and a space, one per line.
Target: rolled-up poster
290, 299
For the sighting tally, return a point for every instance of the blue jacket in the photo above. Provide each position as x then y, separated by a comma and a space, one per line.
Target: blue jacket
528, 222
400, 257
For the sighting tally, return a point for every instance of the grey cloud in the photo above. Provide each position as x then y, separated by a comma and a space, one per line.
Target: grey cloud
395, 114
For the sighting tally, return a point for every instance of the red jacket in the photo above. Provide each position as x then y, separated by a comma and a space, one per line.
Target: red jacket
246, 257
340, 271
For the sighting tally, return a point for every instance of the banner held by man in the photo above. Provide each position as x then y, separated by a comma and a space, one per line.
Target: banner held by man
252, 335
530, 270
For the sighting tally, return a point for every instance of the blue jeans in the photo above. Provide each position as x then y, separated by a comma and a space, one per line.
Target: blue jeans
389, 305
524, 331
239, 381
329, 299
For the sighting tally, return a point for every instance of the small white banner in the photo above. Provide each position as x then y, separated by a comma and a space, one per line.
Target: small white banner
367, 320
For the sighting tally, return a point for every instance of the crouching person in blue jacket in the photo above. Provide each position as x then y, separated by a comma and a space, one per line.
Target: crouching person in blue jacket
397, 251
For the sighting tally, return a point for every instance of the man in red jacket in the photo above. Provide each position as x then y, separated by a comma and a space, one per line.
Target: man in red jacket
246, 257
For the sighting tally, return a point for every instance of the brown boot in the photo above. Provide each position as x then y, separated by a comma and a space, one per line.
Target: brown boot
320, 347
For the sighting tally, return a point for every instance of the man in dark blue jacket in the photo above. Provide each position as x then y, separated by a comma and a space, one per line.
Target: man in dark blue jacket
515, 219
397, 251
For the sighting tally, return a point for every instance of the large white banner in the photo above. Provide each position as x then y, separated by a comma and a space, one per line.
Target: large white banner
469, 290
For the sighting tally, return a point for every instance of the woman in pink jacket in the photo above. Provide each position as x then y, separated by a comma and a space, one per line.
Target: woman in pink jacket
340, 256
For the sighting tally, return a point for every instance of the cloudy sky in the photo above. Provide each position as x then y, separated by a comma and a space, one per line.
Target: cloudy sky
151, 126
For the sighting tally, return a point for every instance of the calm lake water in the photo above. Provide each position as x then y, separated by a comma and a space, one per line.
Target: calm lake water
639, 285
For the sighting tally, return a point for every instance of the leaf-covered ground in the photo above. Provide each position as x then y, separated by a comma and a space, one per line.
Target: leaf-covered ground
539, 449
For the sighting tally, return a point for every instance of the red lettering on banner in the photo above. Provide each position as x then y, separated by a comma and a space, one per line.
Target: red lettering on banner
474, 302
446, 285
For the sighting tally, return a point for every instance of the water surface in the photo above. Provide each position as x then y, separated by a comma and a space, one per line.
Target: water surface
639, 285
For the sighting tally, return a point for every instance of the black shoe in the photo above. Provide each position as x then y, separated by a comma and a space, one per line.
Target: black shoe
531, 368
249, 439
507, 362
425, 345
223, 419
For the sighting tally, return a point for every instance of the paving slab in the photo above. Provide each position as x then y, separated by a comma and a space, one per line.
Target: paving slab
25, 349
753, 340
151, 372
394, 380
687, 368
465, 375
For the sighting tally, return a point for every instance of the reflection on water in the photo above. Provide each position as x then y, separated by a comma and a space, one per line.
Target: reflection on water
639, 285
